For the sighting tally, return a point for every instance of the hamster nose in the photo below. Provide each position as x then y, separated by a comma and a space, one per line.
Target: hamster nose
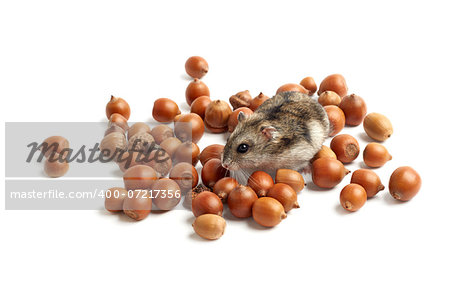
226, 164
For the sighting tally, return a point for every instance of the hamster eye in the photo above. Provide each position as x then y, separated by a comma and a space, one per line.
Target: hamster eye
242, 148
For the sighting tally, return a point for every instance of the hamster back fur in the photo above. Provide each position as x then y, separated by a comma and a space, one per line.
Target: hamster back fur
286, 131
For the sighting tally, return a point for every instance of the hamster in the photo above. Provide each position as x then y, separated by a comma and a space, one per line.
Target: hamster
286, 131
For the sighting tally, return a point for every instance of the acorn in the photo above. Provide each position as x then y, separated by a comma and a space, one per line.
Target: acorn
346, 148
258, 101
209, 226
369, 180
207, 203
241, 99
291, 178
216, 116
404, 183
268, 211
324, 152
196, 67
378, 126
285, 194
195, 89
329, 98
309, 84
292, 87
334, 82
354, 108
328, 172
376, 155
353, 197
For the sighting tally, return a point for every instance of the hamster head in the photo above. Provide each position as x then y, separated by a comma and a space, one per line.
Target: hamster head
248, 144
286, 131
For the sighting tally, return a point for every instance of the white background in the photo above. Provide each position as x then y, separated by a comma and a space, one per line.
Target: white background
60, 61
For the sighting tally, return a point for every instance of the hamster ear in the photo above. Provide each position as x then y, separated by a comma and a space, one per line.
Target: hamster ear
269, 132
241, 116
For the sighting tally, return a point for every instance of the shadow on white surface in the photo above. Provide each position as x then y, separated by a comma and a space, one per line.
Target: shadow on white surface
390, 200
341, 211
366, 138
107, 213
186, 204
362, 165
124, 218
253, 225
190, 220
313, 187
196, 237
119, 215
229, 216
186, 77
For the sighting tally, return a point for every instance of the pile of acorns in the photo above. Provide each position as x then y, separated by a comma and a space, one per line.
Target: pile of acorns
327, 166
261, 198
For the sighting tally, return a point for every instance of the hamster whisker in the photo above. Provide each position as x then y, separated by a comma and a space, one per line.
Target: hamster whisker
240, 176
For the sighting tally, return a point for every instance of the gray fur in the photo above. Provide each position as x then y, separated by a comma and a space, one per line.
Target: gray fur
286, 131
